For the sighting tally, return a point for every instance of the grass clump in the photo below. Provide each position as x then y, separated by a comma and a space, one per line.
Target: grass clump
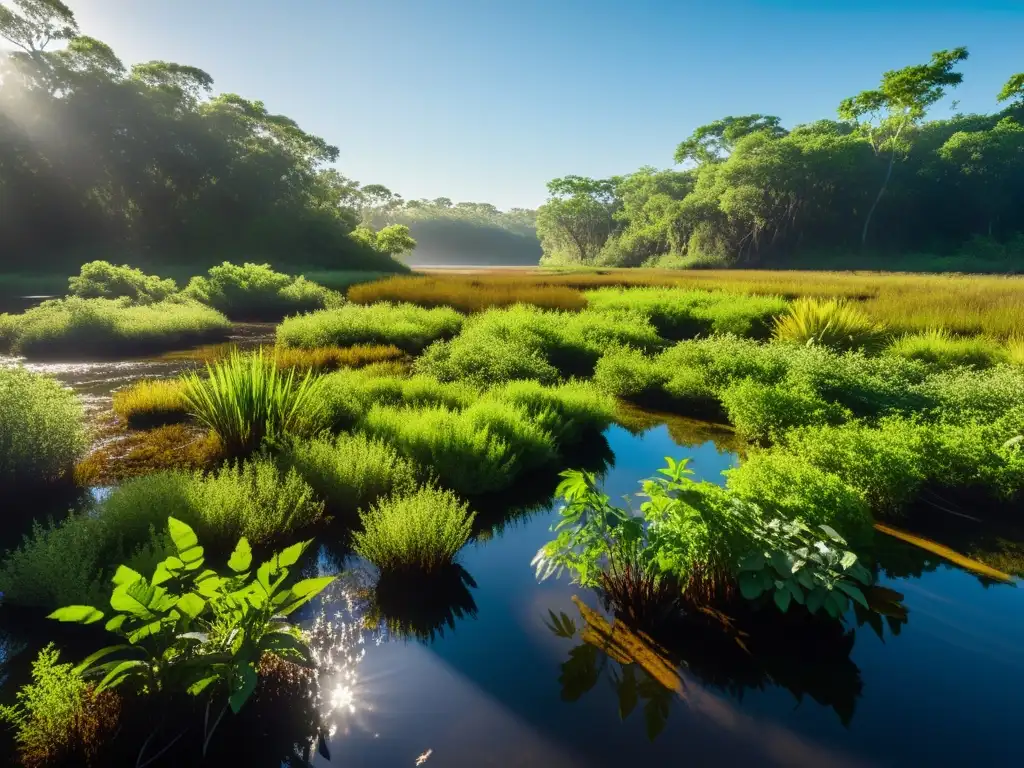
246, 400
465, 294
41, 428
76, 327
680, 314
351, 471
422, 532
257, 292
481, 449
766, 411
332, 358
832, 323
103, 280
59, 717
569, 412
151, 402
405, 326
940, 348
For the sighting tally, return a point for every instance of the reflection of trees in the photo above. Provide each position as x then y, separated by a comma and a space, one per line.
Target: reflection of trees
684, 431
421, 607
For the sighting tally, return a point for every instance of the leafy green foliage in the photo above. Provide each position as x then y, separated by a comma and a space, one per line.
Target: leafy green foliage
257, 292
829, 323
189, 629
766, 411
406, 326
76, 327
247, 400
41, 428
103, 280
420, 532
569, 412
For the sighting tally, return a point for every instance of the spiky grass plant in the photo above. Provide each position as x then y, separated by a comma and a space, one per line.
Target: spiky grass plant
246, 400
833, 323
422, 532
1015, 349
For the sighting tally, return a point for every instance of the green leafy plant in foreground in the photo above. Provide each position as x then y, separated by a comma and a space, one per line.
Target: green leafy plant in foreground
705, 537
190, 630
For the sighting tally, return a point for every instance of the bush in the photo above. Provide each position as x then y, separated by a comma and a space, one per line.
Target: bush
41, 428
406, 326
570, 412
629, 373
481, 449
964, 396
76, 327
151, 402
246, 400
787, 485
352, 470
102, 280
942, 349
422, 532
257, 292
766, 411
832, 323
681, 314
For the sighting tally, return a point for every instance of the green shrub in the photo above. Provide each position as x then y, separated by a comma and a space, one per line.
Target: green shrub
102, 280
352, 470
766, 411
787, 485
480, 449
406, 326
833, 323
422, 532
257, 292
41, 428
964, 396
247, 400
569, 412
629, 373
940, 348
973, 457
78, 327
479, 360
151, 402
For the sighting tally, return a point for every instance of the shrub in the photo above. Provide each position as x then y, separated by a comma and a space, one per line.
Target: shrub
481, 449
102, 280
257, 292
569, 412
465, 294
973, 457
832, 323
766, 411
964, 396
629, 373
151, 402
60, 718
942, 349
406, 326
41, 428
76, 327
331, 358
247, 400
352, 470
421, 532
787, 485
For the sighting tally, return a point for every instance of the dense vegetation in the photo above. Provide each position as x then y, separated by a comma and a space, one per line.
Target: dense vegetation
886, 177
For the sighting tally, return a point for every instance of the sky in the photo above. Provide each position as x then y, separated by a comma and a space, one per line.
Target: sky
487, 100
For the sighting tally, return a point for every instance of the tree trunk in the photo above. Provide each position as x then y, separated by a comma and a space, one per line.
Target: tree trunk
888, 175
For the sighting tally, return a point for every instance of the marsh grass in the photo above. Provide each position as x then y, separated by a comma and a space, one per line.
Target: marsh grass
466, 294
246, 400
42, 431
940, 348
832, 323
405, 326
332, 358
422, 532
151, 403
76, 327
569, 412
120, 455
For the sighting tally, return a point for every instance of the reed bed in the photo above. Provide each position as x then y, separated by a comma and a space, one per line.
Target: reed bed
467, 294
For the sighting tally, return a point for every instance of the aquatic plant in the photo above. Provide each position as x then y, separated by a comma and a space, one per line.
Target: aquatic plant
60, 718
421, 532
151, 402
351, 471
832, 323
189, 630
76, 327
103, 280
246, 400
942, 349
569, 412
405, 326
41, 428
257, 292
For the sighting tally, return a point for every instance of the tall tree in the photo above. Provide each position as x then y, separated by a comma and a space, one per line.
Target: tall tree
712, 142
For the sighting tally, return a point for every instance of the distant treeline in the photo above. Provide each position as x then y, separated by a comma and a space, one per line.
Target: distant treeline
881, 186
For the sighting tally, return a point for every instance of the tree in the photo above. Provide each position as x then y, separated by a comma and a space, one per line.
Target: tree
395, 240
36, 24
898, 104
712, 142
1013, 91
578, 218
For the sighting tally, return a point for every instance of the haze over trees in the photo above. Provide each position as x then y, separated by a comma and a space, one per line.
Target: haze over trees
880, 179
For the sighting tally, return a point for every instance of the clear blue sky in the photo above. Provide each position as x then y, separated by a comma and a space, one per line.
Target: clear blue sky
486, 100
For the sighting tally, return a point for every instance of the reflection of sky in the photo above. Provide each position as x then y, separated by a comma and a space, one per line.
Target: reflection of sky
488, 693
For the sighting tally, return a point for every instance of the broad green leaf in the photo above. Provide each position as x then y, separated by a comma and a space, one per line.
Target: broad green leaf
751, 585
77, 614
133, 598
287, 646
182, 535
290, 556
831, 533
854, 592
115, 622
816, 599
243, 688
125, 575
782, 599
210, 587
192, 558
90, 660
117, 675
241, 558
146, 630
191, 605
201, 685
754, 562
848, 560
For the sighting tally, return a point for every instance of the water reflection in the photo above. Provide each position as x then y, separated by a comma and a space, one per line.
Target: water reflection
421, 607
